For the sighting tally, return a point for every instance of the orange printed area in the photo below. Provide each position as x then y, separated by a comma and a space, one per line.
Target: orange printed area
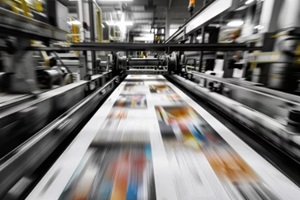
229, 165
121, 178
117, 114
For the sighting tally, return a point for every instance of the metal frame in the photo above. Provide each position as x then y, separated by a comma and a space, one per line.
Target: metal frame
264, 111
215, 8
92, 46
27, 158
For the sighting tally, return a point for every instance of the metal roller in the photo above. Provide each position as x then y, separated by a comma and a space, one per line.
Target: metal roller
173, 62
47, 78
121, 62
144, 61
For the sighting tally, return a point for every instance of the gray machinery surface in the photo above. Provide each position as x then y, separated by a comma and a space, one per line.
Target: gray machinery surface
41, 104
265, 97
35, 121
279, 127
60, 101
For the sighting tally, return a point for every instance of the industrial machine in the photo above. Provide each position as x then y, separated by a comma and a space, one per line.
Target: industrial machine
76, 125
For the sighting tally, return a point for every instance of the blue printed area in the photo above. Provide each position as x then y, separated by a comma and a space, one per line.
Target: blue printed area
197, 133
147, 149
132, 189
105, 189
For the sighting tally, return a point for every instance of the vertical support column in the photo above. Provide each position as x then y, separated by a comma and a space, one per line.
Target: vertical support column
167, 28
82, 55
201, 53
80, 18
202, 41
92, 33
269, 15
195, 37
184, 33
99, 23
87, 38
92, 21
191, 38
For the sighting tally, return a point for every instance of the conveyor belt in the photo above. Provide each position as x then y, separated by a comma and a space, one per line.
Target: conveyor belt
150, 141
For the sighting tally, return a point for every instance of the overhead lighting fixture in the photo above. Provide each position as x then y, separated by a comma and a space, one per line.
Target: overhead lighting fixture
258, 27
125, 23
214, 25
235, 23
74, 22
241, 8
249, 2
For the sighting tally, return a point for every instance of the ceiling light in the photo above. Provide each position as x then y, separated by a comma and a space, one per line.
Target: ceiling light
258, 27
74, 22
235, 23
125, 23
214, 25
249, 1
241, 8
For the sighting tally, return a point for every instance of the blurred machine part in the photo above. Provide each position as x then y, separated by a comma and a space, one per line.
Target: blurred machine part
36, 9
37, 88
241, 83
148, 140
57, 14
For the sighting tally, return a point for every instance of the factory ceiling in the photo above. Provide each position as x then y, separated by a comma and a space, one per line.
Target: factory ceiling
144, 14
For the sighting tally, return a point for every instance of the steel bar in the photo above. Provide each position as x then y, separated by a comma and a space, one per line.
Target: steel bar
92, 46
